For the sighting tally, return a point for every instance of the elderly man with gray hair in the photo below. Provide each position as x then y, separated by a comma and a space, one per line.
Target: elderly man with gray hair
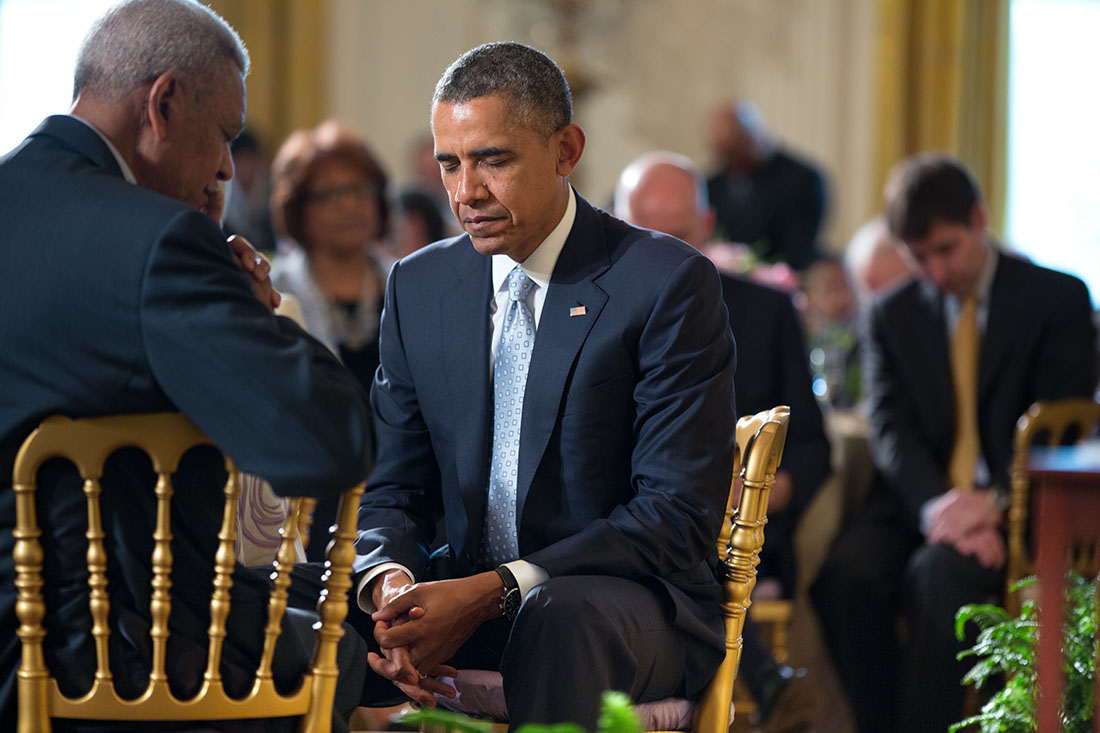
120, 294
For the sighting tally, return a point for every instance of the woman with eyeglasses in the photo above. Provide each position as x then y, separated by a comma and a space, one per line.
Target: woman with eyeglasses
329, 200
328, 206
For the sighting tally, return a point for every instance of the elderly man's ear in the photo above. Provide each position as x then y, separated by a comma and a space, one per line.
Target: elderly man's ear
161, 103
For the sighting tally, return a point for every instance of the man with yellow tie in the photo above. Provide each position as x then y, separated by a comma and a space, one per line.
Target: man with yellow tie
952, 359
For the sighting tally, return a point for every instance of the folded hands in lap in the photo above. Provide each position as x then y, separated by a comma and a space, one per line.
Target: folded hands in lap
420, 626
969, 521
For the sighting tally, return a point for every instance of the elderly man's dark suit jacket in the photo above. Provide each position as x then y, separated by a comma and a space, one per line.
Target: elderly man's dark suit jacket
772, 369
118, 300
1038, 344
628, 417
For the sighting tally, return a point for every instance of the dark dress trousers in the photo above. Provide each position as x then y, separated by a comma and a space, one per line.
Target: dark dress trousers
116, 299
624, 464
1038, 344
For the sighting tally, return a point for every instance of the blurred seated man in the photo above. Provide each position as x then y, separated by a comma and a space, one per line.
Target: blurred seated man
763, 195
120, 294
951, 361
665, 192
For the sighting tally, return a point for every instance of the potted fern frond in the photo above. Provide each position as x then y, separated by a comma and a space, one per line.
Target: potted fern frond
1006, 649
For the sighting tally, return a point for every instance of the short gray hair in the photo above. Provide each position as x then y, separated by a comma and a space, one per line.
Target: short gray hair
529, 78
136, 41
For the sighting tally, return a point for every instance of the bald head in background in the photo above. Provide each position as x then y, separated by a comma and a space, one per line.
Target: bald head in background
663, 191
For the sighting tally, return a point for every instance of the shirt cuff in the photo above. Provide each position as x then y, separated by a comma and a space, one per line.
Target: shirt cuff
527, 575
366, 603
925, 514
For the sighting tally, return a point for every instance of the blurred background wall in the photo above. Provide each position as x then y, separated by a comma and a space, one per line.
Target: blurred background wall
645, 75
851, 85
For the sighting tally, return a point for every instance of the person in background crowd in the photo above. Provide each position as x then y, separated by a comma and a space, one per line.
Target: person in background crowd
329, 197
829, 310
416, 224
763, 195
248, 194
952, 359
875, 261
665, 192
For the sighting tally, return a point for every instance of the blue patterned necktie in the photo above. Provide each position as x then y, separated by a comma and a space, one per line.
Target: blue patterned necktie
517, 339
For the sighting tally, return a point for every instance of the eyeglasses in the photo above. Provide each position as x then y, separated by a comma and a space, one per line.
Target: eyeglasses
328, 196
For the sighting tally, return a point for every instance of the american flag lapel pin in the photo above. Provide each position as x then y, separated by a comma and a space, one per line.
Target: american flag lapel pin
577, 310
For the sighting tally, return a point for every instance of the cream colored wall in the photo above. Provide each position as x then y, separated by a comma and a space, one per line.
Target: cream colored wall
658, 66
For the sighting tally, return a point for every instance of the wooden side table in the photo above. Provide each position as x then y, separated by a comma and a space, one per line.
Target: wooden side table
1067, 481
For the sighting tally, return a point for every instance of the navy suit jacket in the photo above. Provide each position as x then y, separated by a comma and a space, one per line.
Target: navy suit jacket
116, 299
772, 369
1039, 343
628, 416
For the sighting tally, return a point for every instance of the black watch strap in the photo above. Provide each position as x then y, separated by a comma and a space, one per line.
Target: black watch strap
510, 600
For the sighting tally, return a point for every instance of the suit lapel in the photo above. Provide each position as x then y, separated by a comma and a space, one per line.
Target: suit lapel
464, 323
929, 347
1006, 312
559, 338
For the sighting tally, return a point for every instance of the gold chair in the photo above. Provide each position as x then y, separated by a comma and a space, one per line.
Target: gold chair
760, 439
1053, 423
774, 617
165, 437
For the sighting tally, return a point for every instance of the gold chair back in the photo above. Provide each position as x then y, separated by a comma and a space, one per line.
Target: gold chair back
165, 437
760, 441
1053, 422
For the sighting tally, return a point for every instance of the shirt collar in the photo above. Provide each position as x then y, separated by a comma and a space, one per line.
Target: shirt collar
983, 285
985, 279
539, 266
126, 172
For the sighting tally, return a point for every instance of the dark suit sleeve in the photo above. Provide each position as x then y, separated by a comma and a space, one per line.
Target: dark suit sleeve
898, 446
1067, 362
681, 461
274, 399
404, 493
806, 455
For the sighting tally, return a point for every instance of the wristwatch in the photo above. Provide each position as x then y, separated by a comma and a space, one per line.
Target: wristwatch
510, 600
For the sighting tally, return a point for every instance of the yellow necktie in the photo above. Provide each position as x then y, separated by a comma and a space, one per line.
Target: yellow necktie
964, 371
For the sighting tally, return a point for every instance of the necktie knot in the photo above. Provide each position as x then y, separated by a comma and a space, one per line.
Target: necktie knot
519, 284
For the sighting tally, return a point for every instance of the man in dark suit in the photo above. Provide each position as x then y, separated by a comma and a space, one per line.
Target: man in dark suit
930, 536
664, 191
602, 512
763, 195
121, 295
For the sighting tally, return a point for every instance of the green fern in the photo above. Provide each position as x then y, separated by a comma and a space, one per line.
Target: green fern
1006, 649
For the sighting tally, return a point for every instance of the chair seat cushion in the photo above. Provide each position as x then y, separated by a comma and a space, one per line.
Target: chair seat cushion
481, 692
